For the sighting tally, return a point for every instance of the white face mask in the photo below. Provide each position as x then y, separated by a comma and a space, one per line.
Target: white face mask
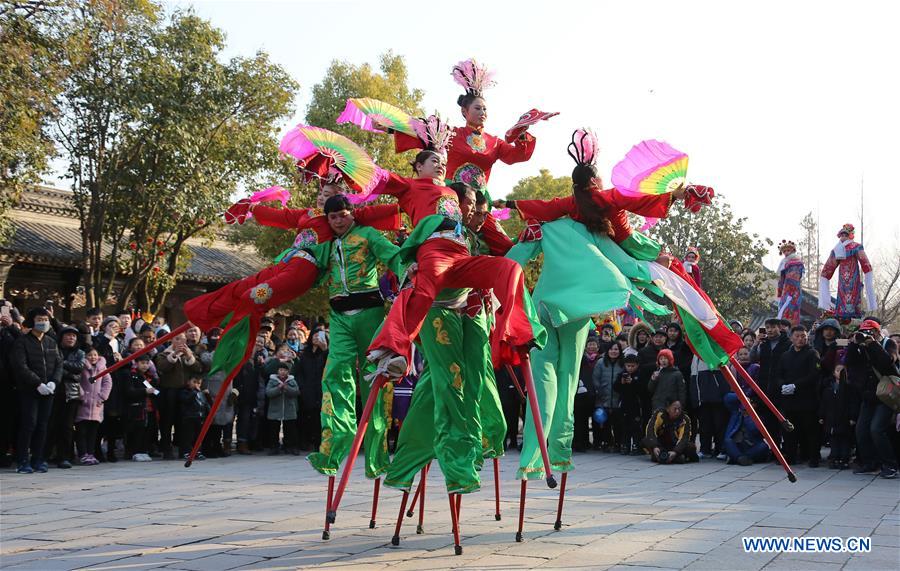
42, 326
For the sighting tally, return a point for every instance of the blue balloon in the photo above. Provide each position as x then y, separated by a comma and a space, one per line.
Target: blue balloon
600, 416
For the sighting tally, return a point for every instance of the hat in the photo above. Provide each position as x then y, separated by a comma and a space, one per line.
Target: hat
665, 353
832, 323
675, 325
267, 325
785, 244
660, 331
870, 324
68, 329
109, 320
847, 229
693, 250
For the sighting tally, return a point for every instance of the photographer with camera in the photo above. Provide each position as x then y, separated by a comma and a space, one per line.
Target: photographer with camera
866, 358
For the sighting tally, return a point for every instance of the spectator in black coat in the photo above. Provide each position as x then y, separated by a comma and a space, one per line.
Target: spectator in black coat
838, 411
866, 359
707, 391
10, 330
37, 366
584, 398
798, 375
193, 407
511, 402
629, 393
139, 411
67, 397
308, 370
770, 351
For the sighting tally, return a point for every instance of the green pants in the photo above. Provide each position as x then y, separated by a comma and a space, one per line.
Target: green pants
444, 418
350, 337
555, 369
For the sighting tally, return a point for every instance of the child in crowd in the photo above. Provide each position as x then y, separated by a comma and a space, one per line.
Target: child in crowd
628, 421
140, 410
282, 391
90, 413
666, 383
193, 409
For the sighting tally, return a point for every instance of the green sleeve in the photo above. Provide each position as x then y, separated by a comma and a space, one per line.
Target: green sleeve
632, 268
641, 247
382, 248
523, 252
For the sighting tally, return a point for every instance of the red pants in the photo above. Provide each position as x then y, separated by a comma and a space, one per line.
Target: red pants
255, 294
446, 264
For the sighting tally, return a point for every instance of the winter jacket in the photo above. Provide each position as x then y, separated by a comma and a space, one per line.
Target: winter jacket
282, 402
683, 356
633, 346
8, 336
801, 369
628, 395
136, 403
247, 383
103, 345
192, 404
741, 429
669, 384
861, 362
308, 371
213, 383
838, 405
768, 360
35, 361
174, 371
95, 392
667, 434
706, 386
73, 365
605, 374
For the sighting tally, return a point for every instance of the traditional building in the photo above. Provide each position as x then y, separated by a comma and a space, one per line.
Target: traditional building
42, 261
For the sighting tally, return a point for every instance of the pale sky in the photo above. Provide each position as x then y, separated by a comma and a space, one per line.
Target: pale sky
782, 106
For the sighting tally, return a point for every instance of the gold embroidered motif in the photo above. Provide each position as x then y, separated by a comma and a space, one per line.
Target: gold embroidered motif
457, 378
441, 335
327, 404
325, 447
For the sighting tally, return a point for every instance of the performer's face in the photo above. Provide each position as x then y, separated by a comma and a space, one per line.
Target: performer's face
479, 215
340, 221
476, 113
434, 166
326, 191
692, 258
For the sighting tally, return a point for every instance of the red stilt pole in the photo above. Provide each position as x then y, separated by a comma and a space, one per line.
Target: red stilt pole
375, 502
454, 518
562, 496
512, 375
396, 539
223, 390
497, 489
521, 511
420, 528
759, 424
377, 384
412, 507
458, 506
785, 423
536, 417
124, 361
326, 533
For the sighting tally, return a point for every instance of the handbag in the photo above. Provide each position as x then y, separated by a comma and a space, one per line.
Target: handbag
74, 391
888, 390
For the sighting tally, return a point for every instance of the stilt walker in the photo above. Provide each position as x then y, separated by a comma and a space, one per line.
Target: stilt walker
854, 270
790, 285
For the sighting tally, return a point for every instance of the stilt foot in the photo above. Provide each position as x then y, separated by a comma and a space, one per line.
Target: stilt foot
420, 530
395, 540
188, 463
326, 535
792, 478
497, 517
371, 524
457, 549
551, 481
330, 517
558, 525
518, 537
787, 426
409, 513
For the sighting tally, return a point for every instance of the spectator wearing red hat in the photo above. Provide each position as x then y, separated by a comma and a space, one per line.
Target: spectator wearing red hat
666, 383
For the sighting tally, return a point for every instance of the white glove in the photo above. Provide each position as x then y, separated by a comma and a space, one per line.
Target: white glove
44, 389
788, 389
52, 386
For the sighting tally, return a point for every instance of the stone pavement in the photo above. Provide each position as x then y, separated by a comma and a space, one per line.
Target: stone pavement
267, 513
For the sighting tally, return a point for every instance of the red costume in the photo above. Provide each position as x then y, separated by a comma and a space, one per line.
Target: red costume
444, 262
293, 276
473, 152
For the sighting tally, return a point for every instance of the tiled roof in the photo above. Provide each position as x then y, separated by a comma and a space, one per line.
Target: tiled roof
52, 240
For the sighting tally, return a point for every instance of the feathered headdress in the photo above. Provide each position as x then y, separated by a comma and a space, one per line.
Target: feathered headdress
474, 77
785, 244
434, 132
584, 147
847, 228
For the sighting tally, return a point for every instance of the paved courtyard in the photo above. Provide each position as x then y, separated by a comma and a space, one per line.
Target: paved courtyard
267, 513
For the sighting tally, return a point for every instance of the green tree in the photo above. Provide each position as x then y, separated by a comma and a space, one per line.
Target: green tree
30, 78
731, 257
159, 133
543, 186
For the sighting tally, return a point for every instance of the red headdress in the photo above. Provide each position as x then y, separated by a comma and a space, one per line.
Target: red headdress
693, 250
848, 229
784, 245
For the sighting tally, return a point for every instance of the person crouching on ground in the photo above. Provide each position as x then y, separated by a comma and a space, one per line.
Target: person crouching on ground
668, 435
743, 443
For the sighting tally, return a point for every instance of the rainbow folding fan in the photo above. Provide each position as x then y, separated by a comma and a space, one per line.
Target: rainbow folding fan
650, 167
369, 114
317, 149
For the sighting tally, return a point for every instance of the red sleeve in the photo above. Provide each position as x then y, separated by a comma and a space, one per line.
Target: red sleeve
864, 264
518, 152
697, 275
546, 210
381, 217
618, 219
287, 218
494, 236
404, 142
830, 265
649, 205
393, 185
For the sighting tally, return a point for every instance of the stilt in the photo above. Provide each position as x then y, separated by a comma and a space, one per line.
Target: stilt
396, 539
377, 384
512, 375
726, 372
562, 496
497, 489
375, 503
536, 418
125, 360
454, 518
521, 511
326, 533
420, 528
412, 507
458, 506
785, 423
